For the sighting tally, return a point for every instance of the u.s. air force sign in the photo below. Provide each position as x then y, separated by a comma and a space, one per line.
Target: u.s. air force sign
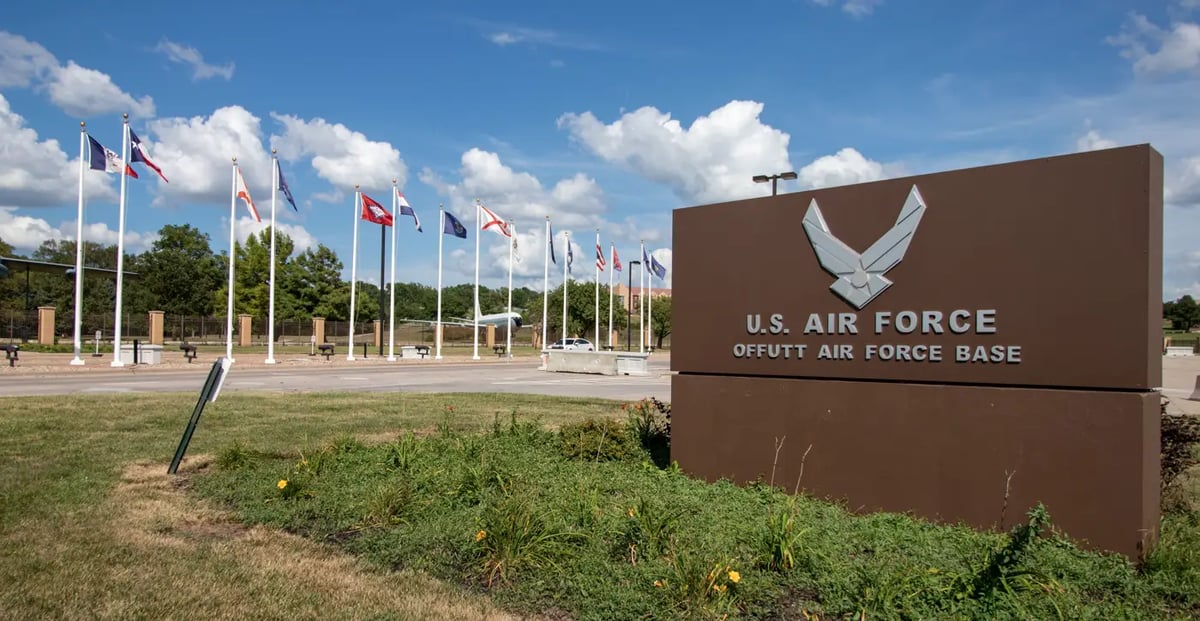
993, 275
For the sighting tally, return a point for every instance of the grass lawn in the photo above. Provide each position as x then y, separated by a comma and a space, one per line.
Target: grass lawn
411, 506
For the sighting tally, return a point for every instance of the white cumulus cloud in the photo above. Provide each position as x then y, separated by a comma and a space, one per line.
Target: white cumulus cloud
845, 167
1155, 50
197, 153
27, 232
341, 156
77, 90
712, 160
245, 226
38, 173
1092, 141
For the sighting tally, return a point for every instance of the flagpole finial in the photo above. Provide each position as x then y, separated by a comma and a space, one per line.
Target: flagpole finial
273, 151
393, 181
235, 159
82, 125
356, 187
125, 115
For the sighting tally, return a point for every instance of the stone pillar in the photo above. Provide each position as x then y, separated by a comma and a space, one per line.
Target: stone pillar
156, 327
616, 338
45, 325
491, 336
244, 330
437, 336
378, 333
318, 325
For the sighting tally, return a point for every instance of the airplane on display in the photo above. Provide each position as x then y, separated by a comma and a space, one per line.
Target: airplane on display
502, 321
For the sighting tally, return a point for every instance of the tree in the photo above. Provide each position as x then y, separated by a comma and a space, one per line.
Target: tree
1183, 313
314, 280
581, 313
660, 320
180, 272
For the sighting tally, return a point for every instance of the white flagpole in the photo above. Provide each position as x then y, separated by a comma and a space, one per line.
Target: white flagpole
232, 258
546, 283
566, 279
612, 267
116, 362
650, 305
271, 307
642, 302
596, 329
77, 361
508, 340
437, 336
392, 302
477, 236
353, 277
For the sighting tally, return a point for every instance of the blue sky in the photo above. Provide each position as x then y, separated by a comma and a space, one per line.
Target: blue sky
602, 116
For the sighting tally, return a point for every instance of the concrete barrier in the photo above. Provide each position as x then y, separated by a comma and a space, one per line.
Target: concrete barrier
1176, 350
596, 362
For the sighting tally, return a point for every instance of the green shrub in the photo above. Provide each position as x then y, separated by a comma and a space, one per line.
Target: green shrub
599, 439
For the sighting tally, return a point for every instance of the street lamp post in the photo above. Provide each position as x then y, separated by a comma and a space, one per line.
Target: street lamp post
774, 179
629, 307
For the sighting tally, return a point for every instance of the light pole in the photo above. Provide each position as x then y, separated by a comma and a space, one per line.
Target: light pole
629, 307
773, 179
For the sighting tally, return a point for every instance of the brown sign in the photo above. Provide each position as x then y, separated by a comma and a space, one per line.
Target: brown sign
960, 345
1038, 273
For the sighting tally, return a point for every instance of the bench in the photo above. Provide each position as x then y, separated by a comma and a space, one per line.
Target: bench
10, 354
189, 351
499, 349
326, 349
422, 350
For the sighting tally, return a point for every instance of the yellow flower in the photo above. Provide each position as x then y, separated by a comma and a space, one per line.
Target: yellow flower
658, 583
631, 512
281, 484
734, 576
719, 588
480, 535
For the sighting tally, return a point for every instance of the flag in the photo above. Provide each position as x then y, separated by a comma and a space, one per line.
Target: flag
494, 220
373, 211
516, 250
570, 256
137, 153
103, 158
553, 259
287, 193
407, 210
453, 226
616, 261
244, 193
658, 268
600, 262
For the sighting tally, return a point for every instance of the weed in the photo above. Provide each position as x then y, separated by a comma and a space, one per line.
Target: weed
647, 530
235, 457
388, 503
699, 589
402, 453
598, 439
512, 537
779, 540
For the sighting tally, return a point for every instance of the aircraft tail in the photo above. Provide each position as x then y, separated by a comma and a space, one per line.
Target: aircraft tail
478, 314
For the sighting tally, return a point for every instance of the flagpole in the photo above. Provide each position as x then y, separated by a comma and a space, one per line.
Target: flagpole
612, 267
77, 361
382, 274
392, 302
642, 304
477, 236
116, 362
546, 283
437, 336
508, 341
271, 308
650, 306
232, 250
596, 329
353, 276
566, 277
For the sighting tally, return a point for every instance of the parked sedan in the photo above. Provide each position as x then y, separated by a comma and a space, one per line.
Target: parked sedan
576, 344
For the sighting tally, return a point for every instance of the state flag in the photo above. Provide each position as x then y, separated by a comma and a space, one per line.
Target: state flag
616, 261
137, 153
243, 193
407, 210
495, 221
101, 157
287, 193
452, 226
373, 211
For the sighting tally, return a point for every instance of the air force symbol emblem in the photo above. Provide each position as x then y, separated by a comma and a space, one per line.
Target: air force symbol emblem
860, 277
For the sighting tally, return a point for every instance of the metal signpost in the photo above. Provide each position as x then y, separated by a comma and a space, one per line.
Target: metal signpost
208, 394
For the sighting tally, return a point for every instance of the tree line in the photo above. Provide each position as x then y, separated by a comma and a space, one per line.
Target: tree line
180, 274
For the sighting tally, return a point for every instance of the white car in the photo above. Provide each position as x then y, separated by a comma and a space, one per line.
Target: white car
576, 344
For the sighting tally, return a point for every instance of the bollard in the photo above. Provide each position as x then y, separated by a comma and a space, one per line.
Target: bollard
364, 350
135, 351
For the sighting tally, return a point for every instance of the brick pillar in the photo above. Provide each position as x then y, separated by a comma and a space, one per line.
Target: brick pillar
491, 336
45, 325
244, 330
318, 325
378, 333
156, 327
437, 336
616, 338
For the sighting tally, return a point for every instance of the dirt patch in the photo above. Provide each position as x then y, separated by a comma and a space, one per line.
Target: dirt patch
152, 513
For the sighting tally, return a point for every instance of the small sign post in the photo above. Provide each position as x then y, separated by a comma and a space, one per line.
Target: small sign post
208, 394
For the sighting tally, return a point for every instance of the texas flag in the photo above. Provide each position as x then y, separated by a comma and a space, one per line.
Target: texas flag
137, 153
243, 193
373, 211
103, 158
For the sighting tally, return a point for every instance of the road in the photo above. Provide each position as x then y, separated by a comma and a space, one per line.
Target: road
512, 377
